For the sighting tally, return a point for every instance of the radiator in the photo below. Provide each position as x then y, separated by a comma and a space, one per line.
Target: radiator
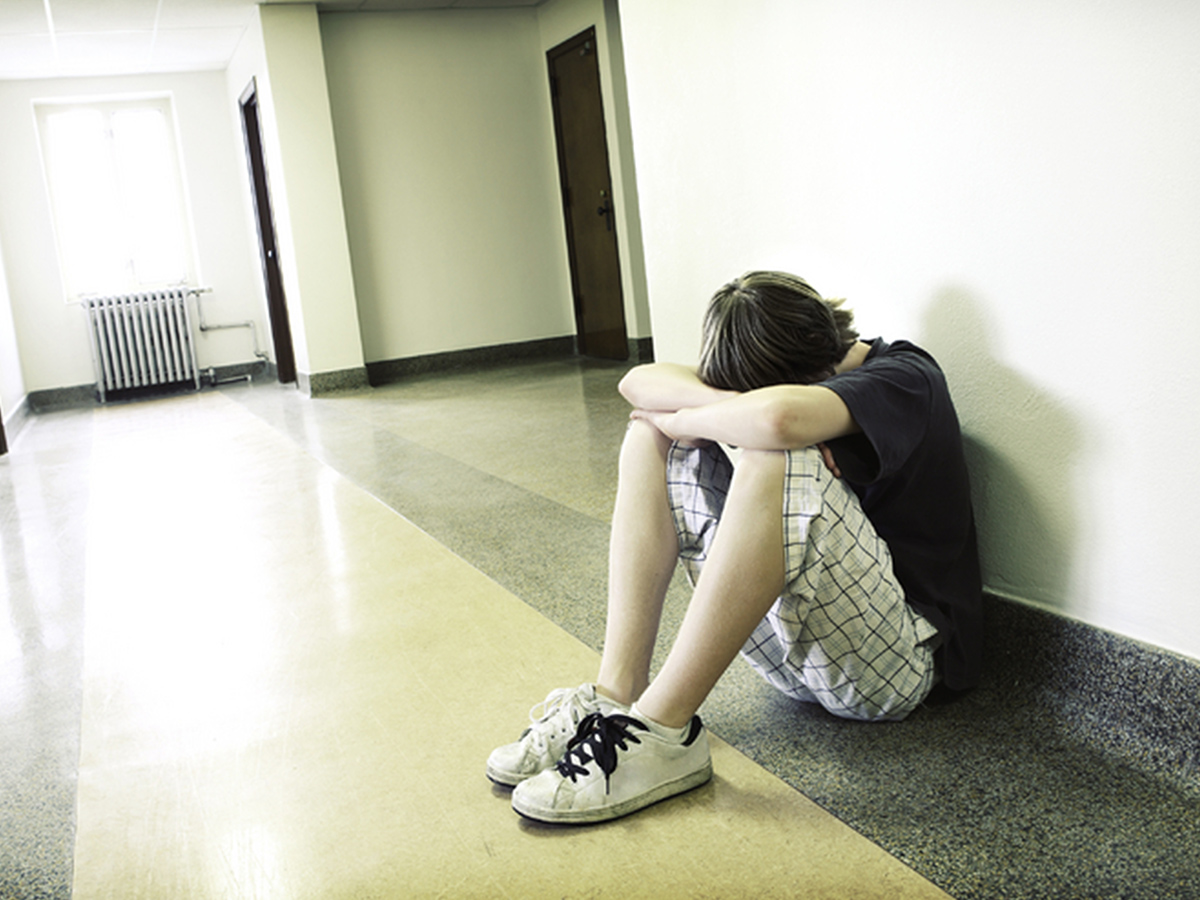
141, 340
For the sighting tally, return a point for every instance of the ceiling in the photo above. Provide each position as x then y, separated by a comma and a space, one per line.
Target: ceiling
54, 38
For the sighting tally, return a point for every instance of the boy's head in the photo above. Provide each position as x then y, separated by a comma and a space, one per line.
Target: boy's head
772, 328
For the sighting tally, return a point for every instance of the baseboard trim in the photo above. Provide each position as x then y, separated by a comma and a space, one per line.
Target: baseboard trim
317, 384
641, 350
1125, 698
79, 396
392, 370
84, 396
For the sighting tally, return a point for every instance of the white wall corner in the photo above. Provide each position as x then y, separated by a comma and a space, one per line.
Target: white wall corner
306, 192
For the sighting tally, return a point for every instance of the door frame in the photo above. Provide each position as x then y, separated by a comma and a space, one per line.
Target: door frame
576, 42
268, 251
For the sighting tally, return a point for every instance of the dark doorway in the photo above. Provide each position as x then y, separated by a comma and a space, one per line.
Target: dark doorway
3, 439
587, 197
281, 332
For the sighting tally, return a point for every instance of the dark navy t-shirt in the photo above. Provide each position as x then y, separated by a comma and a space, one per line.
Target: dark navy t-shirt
908, 469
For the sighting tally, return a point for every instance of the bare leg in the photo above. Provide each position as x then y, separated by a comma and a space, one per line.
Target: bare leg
741, 579
642, 556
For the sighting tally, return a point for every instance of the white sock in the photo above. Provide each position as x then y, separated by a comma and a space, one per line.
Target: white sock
675, 734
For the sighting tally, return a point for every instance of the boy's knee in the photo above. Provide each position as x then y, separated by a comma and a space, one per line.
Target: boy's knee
641, 433
762, 460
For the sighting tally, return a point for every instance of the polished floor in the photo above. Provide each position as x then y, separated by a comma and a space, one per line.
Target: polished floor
231, 671
259, 645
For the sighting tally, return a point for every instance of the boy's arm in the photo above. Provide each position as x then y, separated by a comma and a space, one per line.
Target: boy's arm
780, 417
668, 387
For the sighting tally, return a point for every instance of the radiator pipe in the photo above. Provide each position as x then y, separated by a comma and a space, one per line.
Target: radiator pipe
249, 323
214, 381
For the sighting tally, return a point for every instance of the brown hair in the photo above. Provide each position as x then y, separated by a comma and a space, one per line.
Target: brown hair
772, 328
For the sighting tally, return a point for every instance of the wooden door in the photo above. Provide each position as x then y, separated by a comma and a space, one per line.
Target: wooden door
281, 332
587, 197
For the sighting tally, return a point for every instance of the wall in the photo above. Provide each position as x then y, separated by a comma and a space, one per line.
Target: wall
445, 148
306, 193
1011, 184
281, 51
51, 334
12, 382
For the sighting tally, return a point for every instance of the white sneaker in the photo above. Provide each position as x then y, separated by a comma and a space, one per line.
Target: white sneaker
553, 723
616, 765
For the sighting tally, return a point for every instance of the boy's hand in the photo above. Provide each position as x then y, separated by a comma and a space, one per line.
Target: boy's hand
830, 462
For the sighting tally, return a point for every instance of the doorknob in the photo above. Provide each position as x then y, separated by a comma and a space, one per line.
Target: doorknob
605, 210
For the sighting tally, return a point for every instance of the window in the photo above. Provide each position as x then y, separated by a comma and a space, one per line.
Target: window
117, 195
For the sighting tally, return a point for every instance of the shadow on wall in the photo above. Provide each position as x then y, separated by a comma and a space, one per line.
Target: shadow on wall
1022, 447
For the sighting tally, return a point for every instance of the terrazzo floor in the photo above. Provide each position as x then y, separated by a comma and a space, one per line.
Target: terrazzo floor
278, 686
261, 736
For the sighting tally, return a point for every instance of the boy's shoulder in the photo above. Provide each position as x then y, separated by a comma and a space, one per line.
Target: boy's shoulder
892, 361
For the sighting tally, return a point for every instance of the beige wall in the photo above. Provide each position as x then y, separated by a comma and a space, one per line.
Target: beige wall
1013, 185
446, 152
445, 149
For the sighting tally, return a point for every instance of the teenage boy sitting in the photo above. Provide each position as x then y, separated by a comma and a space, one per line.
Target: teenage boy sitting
838, 554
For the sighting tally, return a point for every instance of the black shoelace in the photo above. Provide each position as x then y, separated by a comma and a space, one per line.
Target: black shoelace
597, 740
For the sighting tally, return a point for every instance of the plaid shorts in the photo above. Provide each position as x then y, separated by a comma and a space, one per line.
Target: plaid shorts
841, 634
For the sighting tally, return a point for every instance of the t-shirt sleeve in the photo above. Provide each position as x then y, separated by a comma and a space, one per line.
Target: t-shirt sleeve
890, 398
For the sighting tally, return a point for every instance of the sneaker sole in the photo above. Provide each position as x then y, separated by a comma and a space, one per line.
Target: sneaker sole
509, 779
505, 779
617, 810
